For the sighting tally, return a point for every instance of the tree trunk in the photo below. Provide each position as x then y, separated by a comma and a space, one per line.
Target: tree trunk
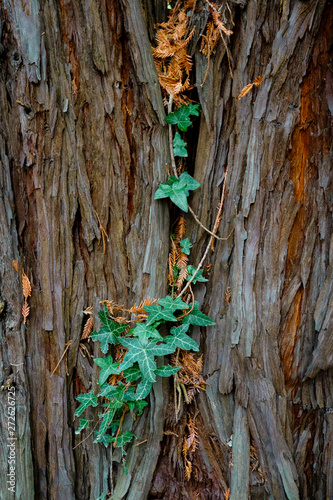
83, 147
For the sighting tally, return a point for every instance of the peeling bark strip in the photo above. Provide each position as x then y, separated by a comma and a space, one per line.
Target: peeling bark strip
82, 133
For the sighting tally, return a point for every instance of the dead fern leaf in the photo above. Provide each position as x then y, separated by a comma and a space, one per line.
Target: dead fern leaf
172, 62
193, 437
227, 495
25, 311
89, 310
15, 265
181, 278
249, 87
140, 308
180, 228
88, 327
188, 470
26, 286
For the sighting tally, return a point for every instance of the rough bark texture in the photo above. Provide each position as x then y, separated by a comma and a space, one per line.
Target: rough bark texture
82, 140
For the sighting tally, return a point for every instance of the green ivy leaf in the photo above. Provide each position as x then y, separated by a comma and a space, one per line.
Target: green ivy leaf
179, 146
194, 109
109, 391
196, 317
139, 405
86, 400
108, 367
175, 192
103, 438
143, 389
172, 305
186, 246
143, 355
167, 371
181, 116
198, 277
109, 333
187, 180
156, 313
126, 437
145, 332
178, 338
133, 373
83, 424
106, 422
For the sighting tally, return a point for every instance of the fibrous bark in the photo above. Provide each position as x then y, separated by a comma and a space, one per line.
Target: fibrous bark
83, 142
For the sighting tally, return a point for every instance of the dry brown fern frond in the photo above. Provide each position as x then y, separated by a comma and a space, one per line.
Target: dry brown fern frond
188, 469
181, 278
140, 308
182, 260
25, 311
227, 494
172, 262
190, 372
112, 307
172, 62
88, 327
180, 228
249, 87
193, 438
26, 286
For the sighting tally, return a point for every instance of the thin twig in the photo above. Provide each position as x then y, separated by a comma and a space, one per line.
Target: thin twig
205, 228
216, 225
173, 163
141, 442
62, 357
120, 425
78, 444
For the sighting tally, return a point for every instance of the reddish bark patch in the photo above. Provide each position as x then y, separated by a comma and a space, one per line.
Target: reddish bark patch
309, 145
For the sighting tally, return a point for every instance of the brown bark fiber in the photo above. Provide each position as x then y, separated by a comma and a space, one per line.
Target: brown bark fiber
83, 143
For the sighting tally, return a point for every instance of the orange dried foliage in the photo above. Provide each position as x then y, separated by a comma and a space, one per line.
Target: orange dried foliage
249, 87
215, 30
172, 62
190, 372
227, 495
26, 287
25, 311
190, 444
15, 265
181, 277
88, 327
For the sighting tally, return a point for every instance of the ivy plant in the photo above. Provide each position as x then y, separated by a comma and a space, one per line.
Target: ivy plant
126, 380
137, 372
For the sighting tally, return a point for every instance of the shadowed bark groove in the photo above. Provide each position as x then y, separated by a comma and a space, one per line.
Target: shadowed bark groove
83, 142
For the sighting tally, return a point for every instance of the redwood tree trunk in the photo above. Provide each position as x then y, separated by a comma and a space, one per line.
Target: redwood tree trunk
83, 145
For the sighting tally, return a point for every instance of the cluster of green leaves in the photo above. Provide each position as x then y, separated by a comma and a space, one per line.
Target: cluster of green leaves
138, 368
179, 189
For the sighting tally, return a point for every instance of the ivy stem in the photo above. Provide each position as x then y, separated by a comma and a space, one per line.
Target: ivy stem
174, 170
120, 425
211, 239
173, 162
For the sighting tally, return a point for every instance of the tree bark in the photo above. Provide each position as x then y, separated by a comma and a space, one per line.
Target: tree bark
83, 145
